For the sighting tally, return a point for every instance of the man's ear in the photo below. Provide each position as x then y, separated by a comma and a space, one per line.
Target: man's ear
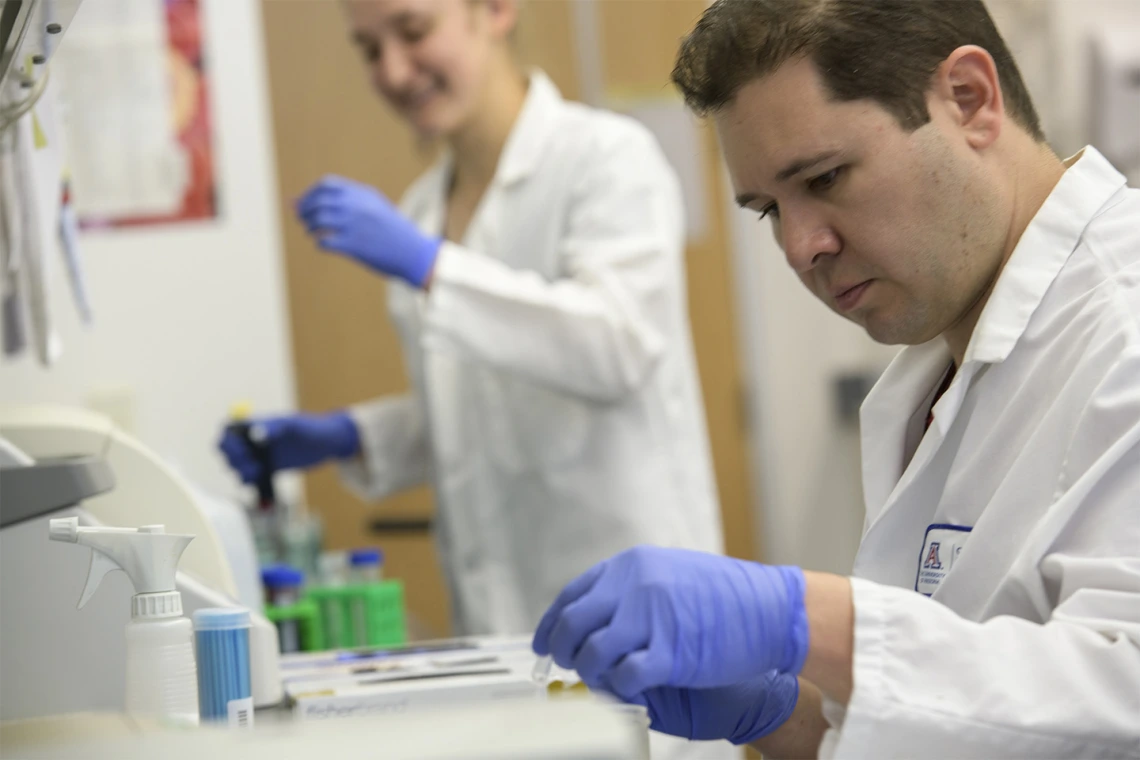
966, 85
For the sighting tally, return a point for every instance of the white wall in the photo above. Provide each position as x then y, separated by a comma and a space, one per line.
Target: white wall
806, 463
189, 318
1050, 40
1067, 122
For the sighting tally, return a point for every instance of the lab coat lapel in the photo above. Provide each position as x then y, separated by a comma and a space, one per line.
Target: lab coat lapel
1040, 253
428, 210
522, 153
531, 133
884, 419
945, 411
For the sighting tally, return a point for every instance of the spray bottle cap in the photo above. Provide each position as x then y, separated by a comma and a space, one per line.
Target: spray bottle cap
148, 555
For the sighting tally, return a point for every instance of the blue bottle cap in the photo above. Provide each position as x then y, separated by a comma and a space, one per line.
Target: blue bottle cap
365, 557
221, 618
281, 576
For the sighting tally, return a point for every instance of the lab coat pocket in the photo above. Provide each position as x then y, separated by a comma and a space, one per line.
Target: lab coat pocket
533, 427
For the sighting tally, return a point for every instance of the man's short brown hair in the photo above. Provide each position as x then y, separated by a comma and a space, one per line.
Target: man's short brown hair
883, 50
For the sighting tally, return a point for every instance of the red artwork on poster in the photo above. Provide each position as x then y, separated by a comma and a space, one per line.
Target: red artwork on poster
190, 103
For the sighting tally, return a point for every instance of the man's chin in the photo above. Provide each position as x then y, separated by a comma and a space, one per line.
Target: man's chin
892, 335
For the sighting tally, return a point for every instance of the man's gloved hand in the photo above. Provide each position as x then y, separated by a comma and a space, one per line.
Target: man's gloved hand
653, 617
356, 220
294, 441
741, 713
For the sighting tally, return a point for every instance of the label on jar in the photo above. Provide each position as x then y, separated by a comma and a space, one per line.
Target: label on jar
240, 712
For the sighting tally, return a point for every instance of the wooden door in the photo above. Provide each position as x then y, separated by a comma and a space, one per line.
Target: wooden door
326, 119
638, 41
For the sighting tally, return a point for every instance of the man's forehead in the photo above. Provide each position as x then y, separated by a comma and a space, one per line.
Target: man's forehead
765, 145
787, 120
793, 91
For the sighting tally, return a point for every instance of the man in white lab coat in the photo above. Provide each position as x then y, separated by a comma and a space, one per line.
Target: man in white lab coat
995, 604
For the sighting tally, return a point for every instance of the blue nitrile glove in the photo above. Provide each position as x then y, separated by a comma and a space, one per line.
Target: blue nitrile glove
357, 220
294, 441
741, 713
654, 617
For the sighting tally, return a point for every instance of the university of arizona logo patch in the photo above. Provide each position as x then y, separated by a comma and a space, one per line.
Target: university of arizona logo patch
932, 561
940, 550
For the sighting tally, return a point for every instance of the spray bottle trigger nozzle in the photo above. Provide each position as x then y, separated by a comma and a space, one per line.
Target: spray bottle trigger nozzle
64, 529
101, 564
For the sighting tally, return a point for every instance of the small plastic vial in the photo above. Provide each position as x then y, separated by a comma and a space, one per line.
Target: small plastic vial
283, 588
367, 565
541, 672
332, 568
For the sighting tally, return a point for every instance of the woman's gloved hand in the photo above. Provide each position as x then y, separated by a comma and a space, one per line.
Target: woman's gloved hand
357, 220
295, 441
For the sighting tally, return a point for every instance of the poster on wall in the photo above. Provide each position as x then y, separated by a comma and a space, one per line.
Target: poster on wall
135, 88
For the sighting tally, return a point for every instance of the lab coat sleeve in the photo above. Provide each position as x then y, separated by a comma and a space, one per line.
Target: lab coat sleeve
394, 447
600, 329
929, 682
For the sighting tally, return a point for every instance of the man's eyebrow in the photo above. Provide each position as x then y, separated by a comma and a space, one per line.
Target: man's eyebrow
803, 164
791, 170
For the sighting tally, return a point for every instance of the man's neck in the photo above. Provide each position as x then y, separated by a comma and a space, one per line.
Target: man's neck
1035, 172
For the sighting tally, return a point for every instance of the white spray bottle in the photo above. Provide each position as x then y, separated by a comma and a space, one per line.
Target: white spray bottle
162, 681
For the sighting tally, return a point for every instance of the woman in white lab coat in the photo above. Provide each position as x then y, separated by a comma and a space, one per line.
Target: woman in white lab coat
537, 282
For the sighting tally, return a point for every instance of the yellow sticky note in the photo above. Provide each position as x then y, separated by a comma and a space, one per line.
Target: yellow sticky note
38, 136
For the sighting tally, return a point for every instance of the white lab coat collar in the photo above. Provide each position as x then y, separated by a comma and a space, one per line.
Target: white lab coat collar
1043, 249
532, 130
529, 135
526, 144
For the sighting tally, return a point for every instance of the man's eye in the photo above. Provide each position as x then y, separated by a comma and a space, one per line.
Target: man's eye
825, 181
771, 210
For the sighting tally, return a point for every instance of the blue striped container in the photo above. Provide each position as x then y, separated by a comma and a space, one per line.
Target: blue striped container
222, 643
